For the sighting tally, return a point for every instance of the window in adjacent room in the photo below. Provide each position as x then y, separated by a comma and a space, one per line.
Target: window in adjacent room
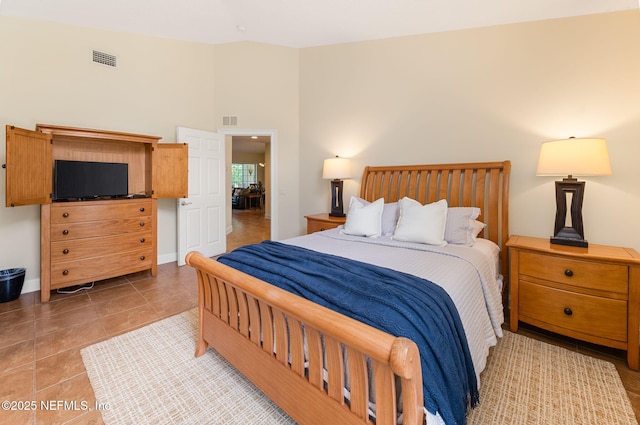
242, 175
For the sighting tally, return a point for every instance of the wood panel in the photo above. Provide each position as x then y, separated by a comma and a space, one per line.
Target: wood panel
28, 176
170, 174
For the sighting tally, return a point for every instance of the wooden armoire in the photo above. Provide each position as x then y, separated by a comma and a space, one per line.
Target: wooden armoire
88, 240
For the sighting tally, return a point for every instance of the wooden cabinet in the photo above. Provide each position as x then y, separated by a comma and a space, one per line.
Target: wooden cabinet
591, 294
319, 222
85, 241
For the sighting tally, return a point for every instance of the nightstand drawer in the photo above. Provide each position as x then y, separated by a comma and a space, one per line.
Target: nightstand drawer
585, 274
320, 222
318, 226
587, 314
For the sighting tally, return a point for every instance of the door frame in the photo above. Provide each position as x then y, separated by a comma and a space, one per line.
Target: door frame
273, 135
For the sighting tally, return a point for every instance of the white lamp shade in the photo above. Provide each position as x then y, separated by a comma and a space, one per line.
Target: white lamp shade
574, 157
336, 168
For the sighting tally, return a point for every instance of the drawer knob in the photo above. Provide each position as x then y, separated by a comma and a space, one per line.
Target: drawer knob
142, 240
142, 258
65, 232
568, 311
65, 215
65, 272
65, 251
142, 224
568, 272
141, 209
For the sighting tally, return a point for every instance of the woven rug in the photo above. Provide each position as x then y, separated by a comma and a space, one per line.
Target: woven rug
150, 376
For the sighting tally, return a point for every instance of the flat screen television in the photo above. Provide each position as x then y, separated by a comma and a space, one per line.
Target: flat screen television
83, 180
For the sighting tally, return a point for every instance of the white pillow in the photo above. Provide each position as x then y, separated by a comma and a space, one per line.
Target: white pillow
389, 216
476, 228
364, 220
459, 221
421, 223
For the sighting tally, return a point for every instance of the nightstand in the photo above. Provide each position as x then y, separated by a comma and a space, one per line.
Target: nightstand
318, 222
591, 294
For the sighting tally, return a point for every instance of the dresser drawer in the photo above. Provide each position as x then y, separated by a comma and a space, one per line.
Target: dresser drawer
74, 212
101, 267
90, 229
587, 314
63, 251
585, 274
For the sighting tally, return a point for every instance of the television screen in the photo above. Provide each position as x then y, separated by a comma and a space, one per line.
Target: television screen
89, 180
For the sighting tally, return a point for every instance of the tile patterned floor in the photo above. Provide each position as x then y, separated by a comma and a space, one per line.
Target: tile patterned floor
40, 343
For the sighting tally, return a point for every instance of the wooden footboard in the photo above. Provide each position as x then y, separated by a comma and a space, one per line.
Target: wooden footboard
302, 355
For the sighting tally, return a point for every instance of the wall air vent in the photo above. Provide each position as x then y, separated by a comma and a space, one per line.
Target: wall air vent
104, 59
229, 120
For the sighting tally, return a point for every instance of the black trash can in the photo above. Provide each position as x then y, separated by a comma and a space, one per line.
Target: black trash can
11, 281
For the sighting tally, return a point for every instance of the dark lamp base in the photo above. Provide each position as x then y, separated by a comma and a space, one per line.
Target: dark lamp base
570, 242
569, 236
336, 199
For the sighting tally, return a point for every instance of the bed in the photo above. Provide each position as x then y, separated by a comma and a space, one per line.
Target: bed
321, 366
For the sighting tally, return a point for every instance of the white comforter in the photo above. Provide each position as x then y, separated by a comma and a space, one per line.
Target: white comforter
468, 274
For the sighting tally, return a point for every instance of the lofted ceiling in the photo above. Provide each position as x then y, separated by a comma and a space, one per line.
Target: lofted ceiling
299, 23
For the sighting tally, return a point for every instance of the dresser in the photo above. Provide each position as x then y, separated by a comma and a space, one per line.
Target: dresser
88, 241
591, 294
319, 222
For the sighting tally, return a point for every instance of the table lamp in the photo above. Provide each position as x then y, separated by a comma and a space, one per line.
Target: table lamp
572, 157
336, 169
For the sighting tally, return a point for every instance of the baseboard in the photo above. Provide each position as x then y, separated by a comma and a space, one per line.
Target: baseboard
31, 285
167, 258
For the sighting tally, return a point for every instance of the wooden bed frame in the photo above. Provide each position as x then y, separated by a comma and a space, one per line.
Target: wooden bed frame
294, 350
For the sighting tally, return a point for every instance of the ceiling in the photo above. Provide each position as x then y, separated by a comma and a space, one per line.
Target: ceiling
250, 144
299, 23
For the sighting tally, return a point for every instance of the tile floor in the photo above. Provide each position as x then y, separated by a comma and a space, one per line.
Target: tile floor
40, 343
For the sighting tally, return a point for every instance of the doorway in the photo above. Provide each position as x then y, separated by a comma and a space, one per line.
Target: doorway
268, 143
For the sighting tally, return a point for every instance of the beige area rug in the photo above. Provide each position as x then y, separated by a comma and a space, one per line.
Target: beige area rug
150, 376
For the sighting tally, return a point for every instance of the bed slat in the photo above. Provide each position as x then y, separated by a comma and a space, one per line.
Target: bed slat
335, 368
255, 325
281, 336
358, 382
314, 349
296, 345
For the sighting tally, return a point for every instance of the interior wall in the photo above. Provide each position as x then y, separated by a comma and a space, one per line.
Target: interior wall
259, 84
483, 95
48, 77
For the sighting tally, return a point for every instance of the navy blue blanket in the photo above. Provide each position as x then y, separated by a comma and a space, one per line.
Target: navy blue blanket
394, 302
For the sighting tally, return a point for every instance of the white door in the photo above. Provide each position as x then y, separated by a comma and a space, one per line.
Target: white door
201, 216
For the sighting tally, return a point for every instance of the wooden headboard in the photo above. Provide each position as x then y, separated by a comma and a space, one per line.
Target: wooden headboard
480, 184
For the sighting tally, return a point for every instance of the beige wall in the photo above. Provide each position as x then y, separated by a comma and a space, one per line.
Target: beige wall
47, 77
487, 94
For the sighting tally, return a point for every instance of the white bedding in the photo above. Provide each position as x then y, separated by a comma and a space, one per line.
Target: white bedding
468, 274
